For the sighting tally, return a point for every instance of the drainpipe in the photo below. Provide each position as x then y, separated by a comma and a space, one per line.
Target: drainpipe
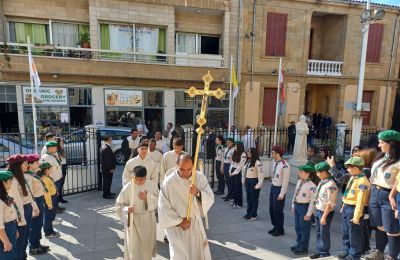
252, 44
390, 68
239, 50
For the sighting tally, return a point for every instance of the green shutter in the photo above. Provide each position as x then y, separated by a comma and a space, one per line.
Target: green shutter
104, 37
162, 35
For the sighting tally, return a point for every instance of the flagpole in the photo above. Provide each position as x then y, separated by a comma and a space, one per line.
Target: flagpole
33, 97
231, 112
277, 100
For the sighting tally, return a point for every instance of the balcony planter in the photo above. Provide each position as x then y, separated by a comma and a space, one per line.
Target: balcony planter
84, 40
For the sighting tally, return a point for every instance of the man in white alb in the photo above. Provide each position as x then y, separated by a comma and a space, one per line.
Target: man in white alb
133, 141
169, 158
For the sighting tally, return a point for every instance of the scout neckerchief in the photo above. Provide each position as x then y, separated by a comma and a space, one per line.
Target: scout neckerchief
55, 157
37, 178
300, 186
320, 187
11, 200
375, 172
351, 183
226, 153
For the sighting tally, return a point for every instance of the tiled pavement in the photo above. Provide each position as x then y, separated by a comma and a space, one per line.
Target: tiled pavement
91, 230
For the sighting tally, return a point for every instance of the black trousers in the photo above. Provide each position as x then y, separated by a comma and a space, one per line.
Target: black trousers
220, 176
107, 181
64, 173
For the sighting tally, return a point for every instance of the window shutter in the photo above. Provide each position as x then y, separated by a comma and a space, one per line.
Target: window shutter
276, 34
375, 38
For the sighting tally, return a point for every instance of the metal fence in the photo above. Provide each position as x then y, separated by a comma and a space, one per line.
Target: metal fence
81, 149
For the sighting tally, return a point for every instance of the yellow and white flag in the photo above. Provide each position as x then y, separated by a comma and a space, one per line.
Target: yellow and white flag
235, 85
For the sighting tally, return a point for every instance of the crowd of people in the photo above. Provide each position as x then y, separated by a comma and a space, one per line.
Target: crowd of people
31, 195
157, 178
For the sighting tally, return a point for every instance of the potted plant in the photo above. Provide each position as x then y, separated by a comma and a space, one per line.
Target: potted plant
84, 40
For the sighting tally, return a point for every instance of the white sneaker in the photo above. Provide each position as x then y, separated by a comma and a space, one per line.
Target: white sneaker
58, 219
56, 222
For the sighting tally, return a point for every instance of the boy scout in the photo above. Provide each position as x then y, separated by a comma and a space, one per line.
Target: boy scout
324, 204
355, 198
302, 207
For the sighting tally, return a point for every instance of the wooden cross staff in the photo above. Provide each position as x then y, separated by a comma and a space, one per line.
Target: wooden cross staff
205, 93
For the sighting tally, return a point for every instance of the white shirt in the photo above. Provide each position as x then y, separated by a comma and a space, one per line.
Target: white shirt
305, 192
238, 166
228, 155
327, 192
156, 156
160, 145
281, 176
133, 144
56, 172
220, 151
149, 164
384, 178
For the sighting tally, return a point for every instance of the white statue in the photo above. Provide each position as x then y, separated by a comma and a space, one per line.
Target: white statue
300, 144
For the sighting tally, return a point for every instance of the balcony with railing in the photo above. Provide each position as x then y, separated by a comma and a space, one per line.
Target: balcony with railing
324, 68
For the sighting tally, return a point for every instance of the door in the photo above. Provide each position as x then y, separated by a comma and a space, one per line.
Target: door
269, 106
367, 104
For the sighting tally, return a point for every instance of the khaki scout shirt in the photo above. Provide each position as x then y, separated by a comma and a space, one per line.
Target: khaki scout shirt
281, 176
7, 213
384, 178
305, 193
220, 151
254, 172
357, 194
327, 192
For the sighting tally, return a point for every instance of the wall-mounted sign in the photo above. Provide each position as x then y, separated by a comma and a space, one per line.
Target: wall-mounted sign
123, 98
47, 96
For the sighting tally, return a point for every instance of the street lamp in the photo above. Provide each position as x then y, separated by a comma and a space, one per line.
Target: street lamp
366, 17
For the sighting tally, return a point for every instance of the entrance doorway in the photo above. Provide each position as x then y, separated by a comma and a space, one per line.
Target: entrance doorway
321, 99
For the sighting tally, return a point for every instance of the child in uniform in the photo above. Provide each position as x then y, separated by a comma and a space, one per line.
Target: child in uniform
325, 202
355, 198
302, 207
8, 218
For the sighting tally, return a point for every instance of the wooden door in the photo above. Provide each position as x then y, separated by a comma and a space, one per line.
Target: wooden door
269, 106
367, 98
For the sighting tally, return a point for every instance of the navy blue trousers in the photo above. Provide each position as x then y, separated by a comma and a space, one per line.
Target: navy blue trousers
228, 180
323, 233
353, 234
252, 196
37, 225
220, 176
24, 232
58, 185
237, 189
276, 208
11, 231
49, 216
302, 227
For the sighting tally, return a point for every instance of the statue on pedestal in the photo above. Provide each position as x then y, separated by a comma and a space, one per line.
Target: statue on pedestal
300, 144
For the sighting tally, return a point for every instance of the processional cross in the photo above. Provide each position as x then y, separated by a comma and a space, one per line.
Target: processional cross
205, 93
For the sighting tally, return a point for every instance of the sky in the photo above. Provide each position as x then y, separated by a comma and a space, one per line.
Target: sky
388, 2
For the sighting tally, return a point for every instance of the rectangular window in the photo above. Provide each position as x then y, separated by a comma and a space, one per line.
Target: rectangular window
186, 43
68, 34
276, 34
375, 37
190, 43
38, 33
80, 96
8, 94
209, 45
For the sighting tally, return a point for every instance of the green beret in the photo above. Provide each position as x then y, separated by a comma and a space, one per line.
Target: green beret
389, 135
322, 166
307, 168
354, 161
5, 175
51, 144
45, 166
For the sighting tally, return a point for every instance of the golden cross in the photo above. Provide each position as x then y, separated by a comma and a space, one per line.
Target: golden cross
205, 93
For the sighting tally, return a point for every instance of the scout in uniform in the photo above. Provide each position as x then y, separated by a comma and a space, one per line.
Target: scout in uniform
50, 197
302, 207
280, 182
37, 188
383, 177
395, 197
325, 202
219, 167
230, 149
8, 218
239, 158
355, 198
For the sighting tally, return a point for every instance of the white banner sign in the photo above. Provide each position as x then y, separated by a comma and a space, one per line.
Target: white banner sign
47, 96
123, 98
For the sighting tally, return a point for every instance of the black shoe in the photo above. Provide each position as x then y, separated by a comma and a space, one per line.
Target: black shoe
47, 248
166, 239
224, 197
109, 197
37, 251
277, 233
113, 194
246, 217
60, 210
63, 201
300, 251
293, 248
271, 231
218, 193
343, 255
315, 256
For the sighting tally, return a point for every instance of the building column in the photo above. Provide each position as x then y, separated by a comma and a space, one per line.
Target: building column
93, 26
98, 106
2, 23
340, 102
169, 107
294, 101
226, 32
20, 108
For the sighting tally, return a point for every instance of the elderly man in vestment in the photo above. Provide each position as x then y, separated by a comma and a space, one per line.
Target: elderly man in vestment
187, 238
136, 204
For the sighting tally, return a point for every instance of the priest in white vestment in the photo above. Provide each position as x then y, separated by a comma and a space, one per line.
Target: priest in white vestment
169, 158
136, 204
142, 159
187, 239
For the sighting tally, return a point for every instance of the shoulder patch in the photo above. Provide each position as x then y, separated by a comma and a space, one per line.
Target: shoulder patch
313, 189
284, 163
363, 187
332, 189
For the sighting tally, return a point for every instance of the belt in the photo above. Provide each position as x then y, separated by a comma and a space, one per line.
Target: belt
301, 204
382, 188
10, 222
348, 205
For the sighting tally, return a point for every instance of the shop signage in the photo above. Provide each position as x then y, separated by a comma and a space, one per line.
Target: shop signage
47, 96
123, 98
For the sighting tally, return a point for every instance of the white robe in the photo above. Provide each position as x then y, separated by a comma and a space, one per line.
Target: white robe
190, 244
140, 236
151, 167
168, 162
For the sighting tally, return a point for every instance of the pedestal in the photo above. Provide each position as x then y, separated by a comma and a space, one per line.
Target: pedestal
295, 163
